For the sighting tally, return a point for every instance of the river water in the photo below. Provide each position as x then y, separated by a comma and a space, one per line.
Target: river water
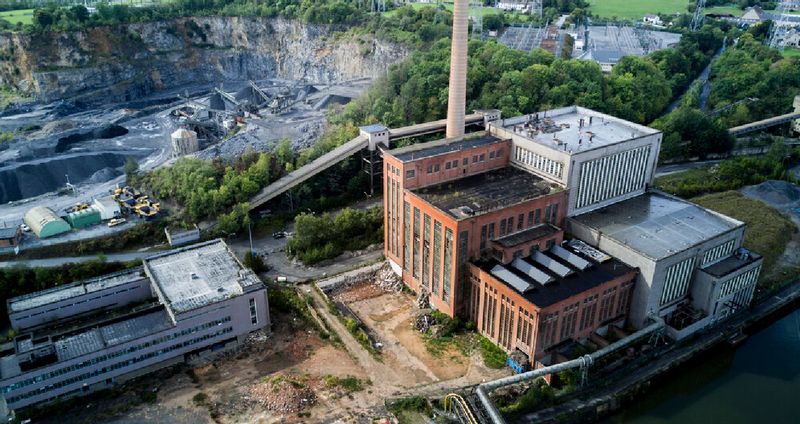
757, 383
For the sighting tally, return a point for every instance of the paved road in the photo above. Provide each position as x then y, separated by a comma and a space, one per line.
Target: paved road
680, 167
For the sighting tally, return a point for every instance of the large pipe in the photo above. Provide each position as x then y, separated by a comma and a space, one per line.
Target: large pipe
457, 91
483, 389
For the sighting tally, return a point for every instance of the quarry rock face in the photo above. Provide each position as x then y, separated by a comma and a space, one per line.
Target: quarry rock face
126, 62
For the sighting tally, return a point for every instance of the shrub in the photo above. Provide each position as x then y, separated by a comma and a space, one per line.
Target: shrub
493, 356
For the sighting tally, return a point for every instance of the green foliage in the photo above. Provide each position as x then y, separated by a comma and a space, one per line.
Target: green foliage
209, 189
768, 231
411, 403
449, 326
255, 262
349, 384
200, 399
539, 395
131, 169
317, 238
689, 133
493, 356
730, 174
751, 70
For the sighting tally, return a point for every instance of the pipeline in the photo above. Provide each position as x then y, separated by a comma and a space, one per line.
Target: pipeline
454, 399
584, 361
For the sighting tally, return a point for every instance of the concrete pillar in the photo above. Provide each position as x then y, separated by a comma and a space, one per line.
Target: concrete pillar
456, 100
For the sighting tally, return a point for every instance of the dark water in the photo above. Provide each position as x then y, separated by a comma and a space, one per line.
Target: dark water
757, 383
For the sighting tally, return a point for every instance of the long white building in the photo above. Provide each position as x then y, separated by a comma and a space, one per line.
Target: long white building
599, 158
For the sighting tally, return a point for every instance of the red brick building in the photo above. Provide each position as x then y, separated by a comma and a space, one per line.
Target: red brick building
446, 202
536, 302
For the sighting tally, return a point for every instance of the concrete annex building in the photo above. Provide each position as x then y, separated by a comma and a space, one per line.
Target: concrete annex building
479, 222
89, 335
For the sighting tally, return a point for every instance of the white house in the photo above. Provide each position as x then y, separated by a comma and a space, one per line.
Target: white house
651, 19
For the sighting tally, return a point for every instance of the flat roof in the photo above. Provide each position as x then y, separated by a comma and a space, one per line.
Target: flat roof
738, 260
481, 193
7, 233
79, 288
657, 225
559, 288
536, 232
561, 130
198, 275
439, 147
106, 336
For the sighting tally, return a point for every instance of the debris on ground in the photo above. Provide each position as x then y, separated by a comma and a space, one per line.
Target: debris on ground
423, 299
282, 395
388, 280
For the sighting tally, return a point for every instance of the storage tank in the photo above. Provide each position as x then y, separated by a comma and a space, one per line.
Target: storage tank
84, 218
184, 142
44, 222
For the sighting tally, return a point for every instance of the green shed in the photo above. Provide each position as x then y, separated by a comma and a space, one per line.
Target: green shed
44, 222
84, 218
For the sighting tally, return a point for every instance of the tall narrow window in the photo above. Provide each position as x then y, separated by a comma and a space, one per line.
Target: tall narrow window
253, 312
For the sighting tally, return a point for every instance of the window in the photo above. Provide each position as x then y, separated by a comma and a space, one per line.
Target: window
406, 235
510, 224
448, 165
448, 260
426, 249
437, 254
475, 159
416, 254
538, 218
436, 168
534, 248
499, 153
483, 237
455, 163
550, 244
483, 157
253, 312
465, 161
520, 220
410, 173
491, 231
502, 227
491, 154
430, 169
547, 214
530, 218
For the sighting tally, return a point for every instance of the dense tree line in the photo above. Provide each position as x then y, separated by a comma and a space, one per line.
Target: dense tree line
518, 82
320, 237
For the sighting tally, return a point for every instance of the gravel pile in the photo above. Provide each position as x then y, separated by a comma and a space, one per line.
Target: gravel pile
281, 395
778, 194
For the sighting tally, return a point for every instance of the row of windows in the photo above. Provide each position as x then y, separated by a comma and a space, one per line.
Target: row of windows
506, 321
524, 327
448, 260
611, 176
69, 305
116, 366
739, 282
102, 358
507, 224
539, 162
453, 164
489, 304
718, 252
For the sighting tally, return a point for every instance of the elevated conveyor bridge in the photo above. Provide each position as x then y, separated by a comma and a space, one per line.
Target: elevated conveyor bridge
346, 150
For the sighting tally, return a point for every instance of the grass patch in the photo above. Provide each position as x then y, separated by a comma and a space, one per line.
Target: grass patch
14, 16
768, 231
493, 356
791, 53
728, 9
413, 409
625, 9
348, 384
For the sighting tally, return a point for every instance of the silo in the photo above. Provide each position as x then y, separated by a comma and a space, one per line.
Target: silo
184, 142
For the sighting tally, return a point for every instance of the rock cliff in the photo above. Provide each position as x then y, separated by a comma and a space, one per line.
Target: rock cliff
126, 62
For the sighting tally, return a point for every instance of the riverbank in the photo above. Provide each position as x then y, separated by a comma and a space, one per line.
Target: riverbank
605, 399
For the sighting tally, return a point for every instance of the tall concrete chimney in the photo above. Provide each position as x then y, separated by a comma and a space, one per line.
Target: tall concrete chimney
457, 92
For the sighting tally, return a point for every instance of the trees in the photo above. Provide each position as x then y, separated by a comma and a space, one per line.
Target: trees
320, 237
690, 133
638, 91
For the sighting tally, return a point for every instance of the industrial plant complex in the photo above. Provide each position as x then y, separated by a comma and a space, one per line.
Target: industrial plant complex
479, 223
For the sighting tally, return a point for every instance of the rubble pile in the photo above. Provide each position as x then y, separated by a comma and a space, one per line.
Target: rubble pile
423, 322
282, 395
423, 299
387, 280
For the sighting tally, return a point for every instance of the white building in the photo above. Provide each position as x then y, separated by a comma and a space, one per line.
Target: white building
651, 19
108, 207
600, 158
692, 269
514, 5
